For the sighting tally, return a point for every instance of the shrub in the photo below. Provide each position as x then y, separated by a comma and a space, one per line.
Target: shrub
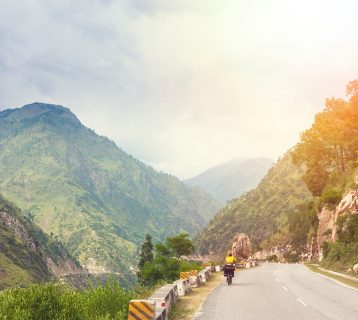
58, 302
273, 258
331, 196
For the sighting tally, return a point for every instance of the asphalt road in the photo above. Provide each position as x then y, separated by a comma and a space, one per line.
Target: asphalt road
280, 292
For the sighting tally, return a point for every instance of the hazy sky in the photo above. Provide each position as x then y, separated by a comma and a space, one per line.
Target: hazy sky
181, 84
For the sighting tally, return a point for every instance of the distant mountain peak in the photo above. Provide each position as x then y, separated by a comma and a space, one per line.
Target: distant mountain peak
38, 109
231, 179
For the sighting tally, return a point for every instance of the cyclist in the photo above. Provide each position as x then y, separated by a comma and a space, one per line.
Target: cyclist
229, 264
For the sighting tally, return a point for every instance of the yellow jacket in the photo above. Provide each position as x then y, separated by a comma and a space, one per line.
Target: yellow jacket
230, 260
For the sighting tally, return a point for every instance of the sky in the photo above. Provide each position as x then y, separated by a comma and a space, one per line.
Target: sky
182, 85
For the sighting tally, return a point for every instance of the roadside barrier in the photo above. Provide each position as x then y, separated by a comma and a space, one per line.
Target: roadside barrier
187, 274
141, 309
184, 275
158, 306
184, 286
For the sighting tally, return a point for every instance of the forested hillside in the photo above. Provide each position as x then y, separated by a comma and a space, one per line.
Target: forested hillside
329, 151
27, 255
83, 189
299, 201
259, 213
229, 180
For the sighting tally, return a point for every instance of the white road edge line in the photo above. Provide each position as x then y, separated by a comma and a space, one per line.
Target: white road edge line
300, 301
284, 288
336, 281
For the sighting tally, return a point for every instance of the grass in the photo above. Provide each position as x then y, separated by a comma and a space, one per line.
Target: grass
315, 268
190, 304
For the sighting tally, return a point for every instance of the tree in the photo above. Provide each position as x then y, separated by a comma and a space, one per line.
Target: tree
330, 146
180, 245
146, 254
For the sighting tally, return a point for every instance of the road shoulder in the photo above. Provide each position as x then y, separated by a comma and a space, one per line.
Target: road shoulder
189, 305
333, 276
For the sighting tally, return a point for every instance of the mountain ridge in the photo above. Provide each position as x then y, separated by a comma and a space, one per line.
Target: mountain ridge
231, 179
82, 187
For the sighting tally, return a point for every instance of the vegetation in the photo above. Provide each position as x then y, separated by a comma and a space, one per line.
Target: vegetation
261, 213
80, 187
302, 224
281, 209
166, 264
330, 146
146, 254
58, 302
343, 254
329, 151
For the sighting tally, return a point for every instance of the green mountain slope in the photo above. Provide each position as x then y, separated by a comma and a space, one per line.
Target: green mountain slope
230, 180
259, 213
27, 255
81, 187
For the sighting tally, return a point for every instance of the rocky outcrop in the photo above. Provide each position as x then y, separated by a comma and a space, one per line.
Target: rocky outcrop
327, 226
18, 228
58, 265
355, 268
241, 247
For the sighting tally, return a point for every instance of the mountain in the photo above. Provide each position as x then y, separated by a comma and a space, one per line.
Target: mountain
98, 200
28, 255
230, 180
306, 208
259, 213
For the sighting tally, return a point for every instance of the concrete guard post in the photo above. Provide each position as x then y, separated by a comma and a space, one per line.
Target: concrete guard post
162, 301
202, 277
194, 281
217, 268
173, 292
141, 310
183, 286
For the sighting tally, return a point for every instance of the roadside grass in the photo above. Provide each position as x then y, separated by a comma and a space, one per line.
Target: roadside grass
315, 268
190, 304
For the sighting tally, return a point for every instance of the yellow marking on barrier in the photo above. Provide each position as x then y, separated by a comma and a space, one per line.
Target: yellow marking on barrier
184, 275
193, 272
140, 310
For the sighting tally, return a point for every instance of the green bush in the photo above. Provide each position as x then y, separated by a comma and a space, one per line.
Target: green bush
292, 257
331, 196
273, 258
58, 302
342, 254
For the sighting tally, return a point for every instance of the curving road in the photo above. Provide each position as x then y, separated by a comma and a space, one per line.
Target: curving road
281, 292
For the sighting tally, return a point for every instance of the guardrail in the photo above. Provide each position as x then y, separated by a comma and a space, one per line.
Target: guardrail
158, 306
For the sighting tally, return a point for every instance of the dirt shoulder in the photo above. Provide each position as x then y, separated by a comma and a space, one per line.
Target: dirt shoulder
190, 304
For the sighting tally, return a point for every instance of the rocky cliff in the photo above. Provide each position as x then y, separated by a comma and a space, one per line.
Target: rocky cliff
241, 247
328, 227
28, 255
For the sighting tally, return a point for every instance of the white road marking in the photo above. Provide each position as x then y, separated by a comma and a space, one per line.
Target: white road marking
277, 280
300, 301
284, 288
336, 281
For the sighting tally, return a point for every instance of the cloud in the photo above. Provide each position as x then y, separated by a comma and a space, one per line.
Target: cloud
181, 84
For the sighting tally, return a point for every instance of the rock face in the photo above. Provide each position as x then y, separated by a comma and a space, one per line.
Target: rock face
58, 265
241, 247
327, 227
355, 268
